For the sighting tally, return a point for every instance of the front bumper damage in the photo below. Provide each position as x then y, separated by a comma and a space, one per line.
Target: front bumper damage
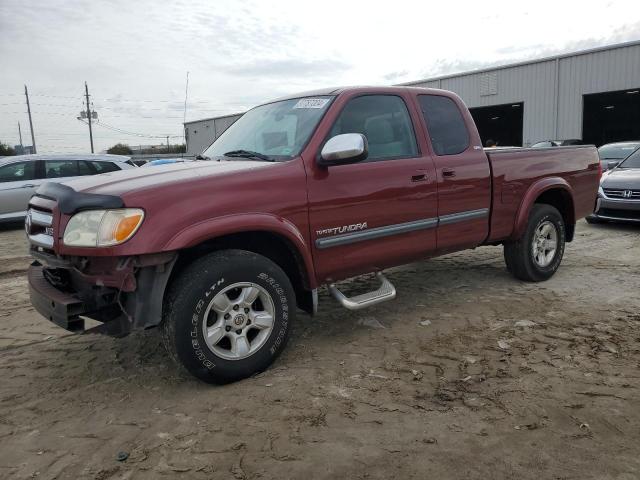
124, 294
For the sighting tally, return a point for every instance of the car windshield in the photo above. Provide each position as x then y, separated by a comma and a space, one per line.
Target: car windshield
617, 151
632, 162
278, 130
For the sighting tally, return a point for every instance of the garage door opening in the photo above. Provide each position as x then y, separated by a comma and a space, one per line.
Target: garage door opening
502, 123
611, 117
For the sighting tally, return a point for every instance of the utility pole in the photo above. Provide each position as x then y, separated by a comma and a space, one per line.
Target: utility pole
167, 143
33, 137
184, 116
20, 135
86, 93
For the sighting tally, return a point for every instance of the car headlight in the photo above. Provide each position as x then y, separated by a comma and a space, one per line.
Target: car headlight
102, 228
600, 191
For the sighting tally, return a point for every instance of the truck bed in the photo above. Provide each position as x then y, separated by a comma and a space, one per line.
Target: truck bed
515, 170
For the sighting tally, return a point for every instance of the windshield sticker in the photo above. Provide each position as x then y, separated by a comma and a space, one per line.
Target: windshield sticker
311, 103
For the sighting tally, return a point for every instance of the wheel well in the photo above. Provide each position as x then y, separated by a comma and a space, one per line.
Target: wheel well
276, 248
562, 201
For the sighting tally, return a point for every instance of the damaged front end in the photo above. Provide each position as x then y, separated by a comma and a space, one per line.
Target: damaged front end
124, 293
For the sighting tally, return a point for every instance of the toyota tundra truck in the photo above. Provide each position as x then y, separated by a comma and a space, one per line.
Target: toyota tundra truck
300, 192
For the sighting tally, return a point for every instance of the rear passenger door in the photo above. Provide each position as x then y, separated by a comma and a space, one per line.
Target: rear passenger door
463, 173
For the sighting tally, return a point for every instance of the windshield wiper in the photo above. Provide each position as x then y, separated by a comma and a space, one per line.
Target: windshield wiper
248, 154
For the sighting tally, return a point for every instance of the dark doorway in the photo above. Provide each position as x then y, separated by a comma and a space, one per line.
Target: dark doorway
611, 117
502, 123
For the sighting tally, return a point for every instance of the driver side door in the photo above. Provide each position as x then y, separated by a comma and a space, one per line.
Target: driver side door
381, 211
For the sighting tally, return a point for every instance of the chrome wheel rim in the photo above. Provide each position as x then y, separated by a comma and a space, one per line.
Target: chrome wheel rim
238, 321
545, 243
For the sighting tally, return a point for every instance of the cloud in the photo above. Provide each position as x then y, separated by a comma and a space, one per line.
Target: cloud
289, 67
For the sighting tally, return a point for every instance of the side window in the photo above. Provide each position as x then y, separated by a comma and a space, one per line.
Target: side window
447, 129
17, 172
104, 167
83, 168
61, 168
384, 120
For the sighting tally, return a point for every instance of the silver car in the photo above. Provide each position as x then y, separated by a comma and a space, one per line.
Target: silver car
21, 175
619, 192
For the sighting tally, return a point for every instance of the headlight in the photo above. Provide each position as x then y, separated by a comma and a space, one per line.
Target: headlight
600, 191
102, 228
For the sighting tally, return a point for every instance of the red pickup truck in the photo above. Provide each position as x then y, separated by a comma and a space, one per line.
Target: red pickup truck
299, 192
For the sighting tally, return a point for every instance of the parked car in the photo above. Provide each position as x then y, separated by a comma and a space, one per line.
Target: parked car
166, 161
306, 190
612, 154
557, 143
619, 193
21, 175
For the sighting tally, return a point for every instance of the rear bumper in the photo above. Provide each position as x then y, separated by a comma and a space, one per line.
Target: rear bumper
617, 210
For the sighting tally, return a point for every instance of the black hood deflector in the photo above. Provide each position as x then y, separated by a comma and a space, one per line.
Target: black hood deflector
70, 201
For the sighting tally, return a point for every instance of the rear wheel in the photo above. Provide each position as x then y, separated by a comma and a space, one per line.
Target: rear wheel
537, 254
227, 315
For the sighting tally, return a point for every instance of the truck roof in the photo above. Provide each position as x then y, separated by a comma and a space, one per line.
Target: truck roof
355, 88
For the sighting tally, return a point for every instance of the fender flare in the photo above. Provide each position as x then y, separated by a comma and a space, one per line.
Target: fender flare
529, 198
246, 222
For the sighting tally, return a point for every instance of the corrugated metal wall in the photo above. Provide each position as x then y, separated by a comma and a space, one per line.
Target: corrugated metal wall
201, 134
551, 89
610, 70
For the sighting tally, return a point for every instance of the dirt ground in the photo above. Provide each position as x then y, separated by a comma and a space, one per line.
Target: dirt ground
468, 374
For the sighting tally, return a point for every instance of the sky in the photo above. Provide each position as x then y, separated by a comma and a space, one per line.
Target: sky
135, 55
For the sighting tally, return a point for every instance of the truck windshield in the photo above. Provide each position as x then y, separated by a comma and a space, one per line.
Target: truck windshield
278, 130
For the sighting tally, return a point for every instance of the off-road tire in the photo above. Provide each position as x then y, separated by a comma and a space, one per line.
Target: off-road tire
194, 288
518, 255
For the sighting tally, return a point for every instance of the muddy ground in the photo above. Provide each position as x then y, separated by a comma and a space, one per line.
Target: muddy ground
468, 374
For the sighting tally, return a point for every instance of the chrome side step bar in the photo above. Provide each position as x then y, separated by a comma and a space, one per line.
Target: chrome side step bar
386, 292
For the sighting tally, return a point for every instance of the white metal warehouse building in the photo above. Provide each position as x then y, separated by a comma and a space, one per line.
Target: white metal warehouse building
592, 95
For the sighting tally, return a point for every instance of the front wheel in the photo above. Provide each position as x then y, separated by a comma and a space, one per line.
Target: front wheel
536, 256
227, 316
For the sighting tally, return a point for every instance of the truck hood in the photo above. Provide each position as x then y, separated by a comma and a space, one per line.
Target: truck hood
161, 176
622, 178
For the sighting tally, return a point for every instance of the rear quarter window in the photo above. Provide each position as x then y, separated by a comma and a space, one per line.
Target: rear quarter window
105, 167
446, 126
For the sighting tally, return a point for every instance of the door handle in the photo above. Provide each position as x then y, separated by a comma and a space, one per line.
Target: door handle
418, 178
448, 172
28, 185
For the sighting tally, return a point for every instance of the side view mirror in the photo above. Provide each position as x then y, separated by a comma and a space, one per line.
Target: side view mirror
611, 165
343, 149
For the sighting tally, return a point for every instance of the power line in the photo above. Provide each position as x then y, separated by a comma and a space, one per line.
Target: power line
135, 134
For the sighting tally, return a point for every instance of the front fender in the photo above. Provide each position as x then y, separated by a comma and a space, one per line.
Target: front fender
246, 222
533, 192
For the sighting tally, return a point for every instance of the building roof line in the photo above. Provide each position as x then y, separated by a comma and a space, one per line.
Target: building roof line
213, 118
576, 53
